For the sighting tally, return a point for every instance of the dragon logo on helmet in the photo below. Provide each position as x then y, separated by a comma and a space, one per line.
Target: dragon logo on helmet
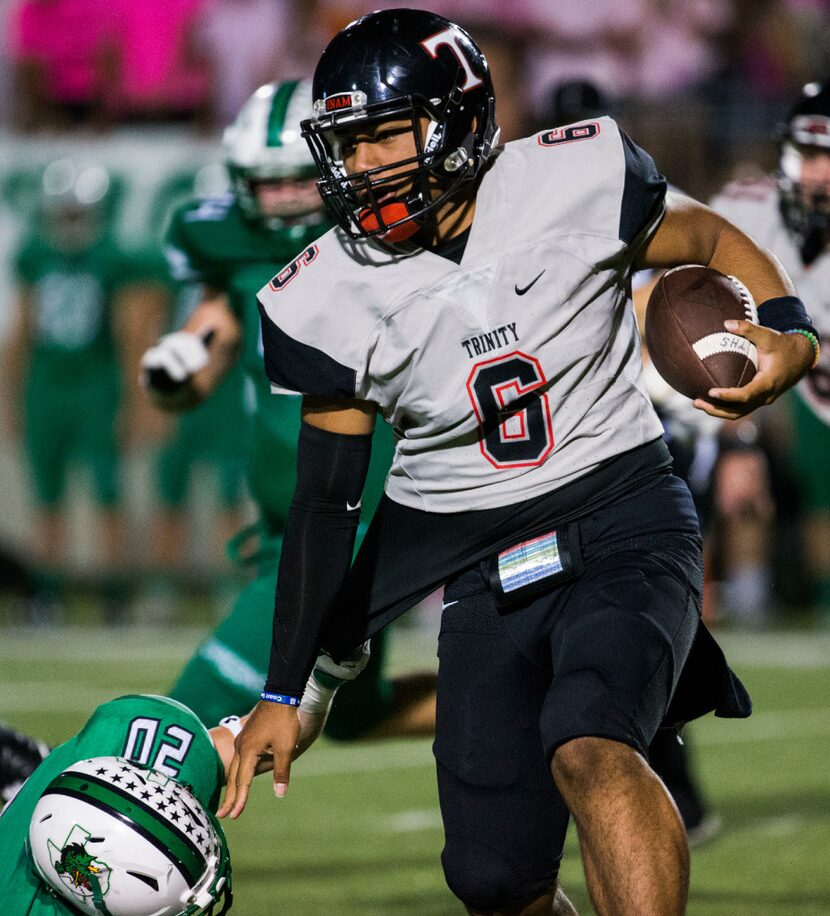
82, 873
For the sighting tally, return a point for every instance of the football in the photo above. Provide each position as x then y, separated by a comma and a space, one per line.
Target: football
685, 336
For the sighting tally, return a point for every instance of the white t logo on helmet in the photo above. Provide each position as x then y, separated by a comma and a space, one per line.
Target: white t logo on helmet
449, 37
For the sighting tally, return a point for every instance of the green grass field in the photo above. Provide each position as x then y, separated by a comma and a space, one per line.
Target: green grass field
359, 831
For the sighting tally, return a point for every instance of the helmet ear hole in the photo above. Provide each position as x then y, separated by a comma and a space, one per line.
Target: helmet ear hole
152, 883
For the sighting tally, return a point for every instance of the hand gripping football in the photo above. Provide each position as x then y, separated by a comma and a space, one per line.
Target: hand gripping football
686, 339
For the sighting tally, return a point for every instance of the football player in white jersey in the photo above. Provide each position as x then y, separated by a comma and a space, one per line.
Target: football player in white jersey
477, 297
790, 215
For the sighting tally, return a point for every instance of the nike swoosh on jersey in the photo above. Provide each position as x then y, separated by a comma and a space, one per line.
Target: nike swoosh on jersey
350, 508
448, 604
524, 289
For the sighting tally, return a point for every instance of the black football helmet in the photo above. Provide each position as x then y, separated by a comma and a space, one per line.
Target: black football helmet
394, 64
805, 211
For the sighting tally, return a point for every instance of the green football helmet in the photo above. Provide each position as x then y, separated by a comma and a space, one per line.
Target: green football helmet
111, 837
264, 146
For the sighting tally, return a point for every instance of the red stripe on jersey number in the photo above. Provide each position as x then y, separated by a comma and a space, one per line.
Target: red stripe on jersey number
287, 274
569, 134
513, 413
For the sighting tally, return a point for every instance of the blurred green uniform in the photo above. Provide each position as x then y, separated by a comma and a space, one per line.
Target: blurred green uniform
216, 433
73, 383
212, 242
155, 731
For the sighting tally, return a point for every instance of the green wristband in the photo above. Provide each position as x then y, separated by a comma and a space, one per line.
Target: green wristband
813, 340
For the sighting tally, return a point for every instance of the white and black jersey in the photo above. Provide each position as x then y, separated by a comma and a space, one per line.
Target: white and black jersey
754, 207
508, 375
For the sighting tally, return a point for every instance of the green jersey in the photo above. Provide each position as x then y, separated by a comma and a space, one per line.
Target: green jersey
72, 300
211, 241
155, 731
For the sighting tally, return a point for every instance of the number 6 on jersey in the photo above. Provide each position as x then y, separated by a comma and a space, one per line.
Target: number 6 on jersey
514, 417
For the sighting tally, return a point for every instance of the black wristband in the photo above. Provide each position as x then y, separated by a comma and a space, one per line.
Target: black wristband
785, 313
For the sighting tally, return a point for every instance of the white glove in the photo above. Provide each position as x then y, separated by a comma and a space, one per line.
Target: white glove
173, 360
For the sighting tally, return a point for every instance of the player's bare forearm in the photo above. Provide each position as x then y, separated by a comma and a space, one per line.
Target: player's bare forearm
691, 233
16, 355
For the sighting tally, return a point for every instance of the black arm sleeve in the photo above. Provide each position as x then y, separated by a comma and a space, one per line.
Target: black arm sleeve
317, 550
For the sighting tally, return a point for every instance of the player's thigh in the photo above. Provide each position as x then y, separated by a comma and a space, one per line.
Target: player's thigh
96, 438
172, 471
504, 820
230, 470
47, 440
621, 640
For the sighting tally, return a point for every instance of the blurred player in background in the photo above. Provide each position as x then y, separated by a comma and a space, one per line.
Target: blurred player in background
232, 245
790, 215
68, 353
212, 438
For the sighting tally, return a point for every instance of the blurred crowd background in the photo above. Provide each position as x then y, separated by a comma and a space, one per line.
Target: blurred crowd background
125, 103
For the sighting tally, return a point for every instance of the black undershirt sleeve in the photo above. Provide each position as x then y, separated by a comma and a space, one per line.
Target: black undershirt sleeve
317, 550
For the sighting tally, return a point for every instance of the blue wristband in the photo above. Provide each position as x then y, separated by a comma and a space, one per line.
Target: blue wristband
283, 698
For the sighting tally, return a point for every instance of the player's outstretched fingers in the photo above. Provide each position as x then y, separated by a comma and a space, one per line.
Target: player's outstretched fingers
717, 411
282, 772
242, 781
230, 788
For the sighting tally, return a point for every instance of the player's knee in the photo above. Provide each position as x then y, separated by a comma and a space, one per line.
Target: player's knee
483, 878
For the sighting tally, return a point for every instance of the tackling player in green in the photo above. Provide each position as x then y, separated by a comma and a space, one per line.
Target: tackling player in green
68, 850
232, 245
118, 820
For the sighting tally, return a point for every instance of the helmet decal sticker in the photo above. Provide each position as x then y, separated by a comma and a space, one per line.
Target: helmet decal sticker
449, 38
80, 871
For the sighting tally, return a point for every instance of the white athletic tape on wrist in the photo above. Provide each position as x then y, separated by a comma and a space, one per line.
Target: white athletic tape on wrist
316, 697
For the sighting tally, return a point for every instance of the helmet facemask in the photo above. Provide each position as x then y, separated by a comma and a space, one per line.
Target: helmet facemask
392, 201
298, 203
